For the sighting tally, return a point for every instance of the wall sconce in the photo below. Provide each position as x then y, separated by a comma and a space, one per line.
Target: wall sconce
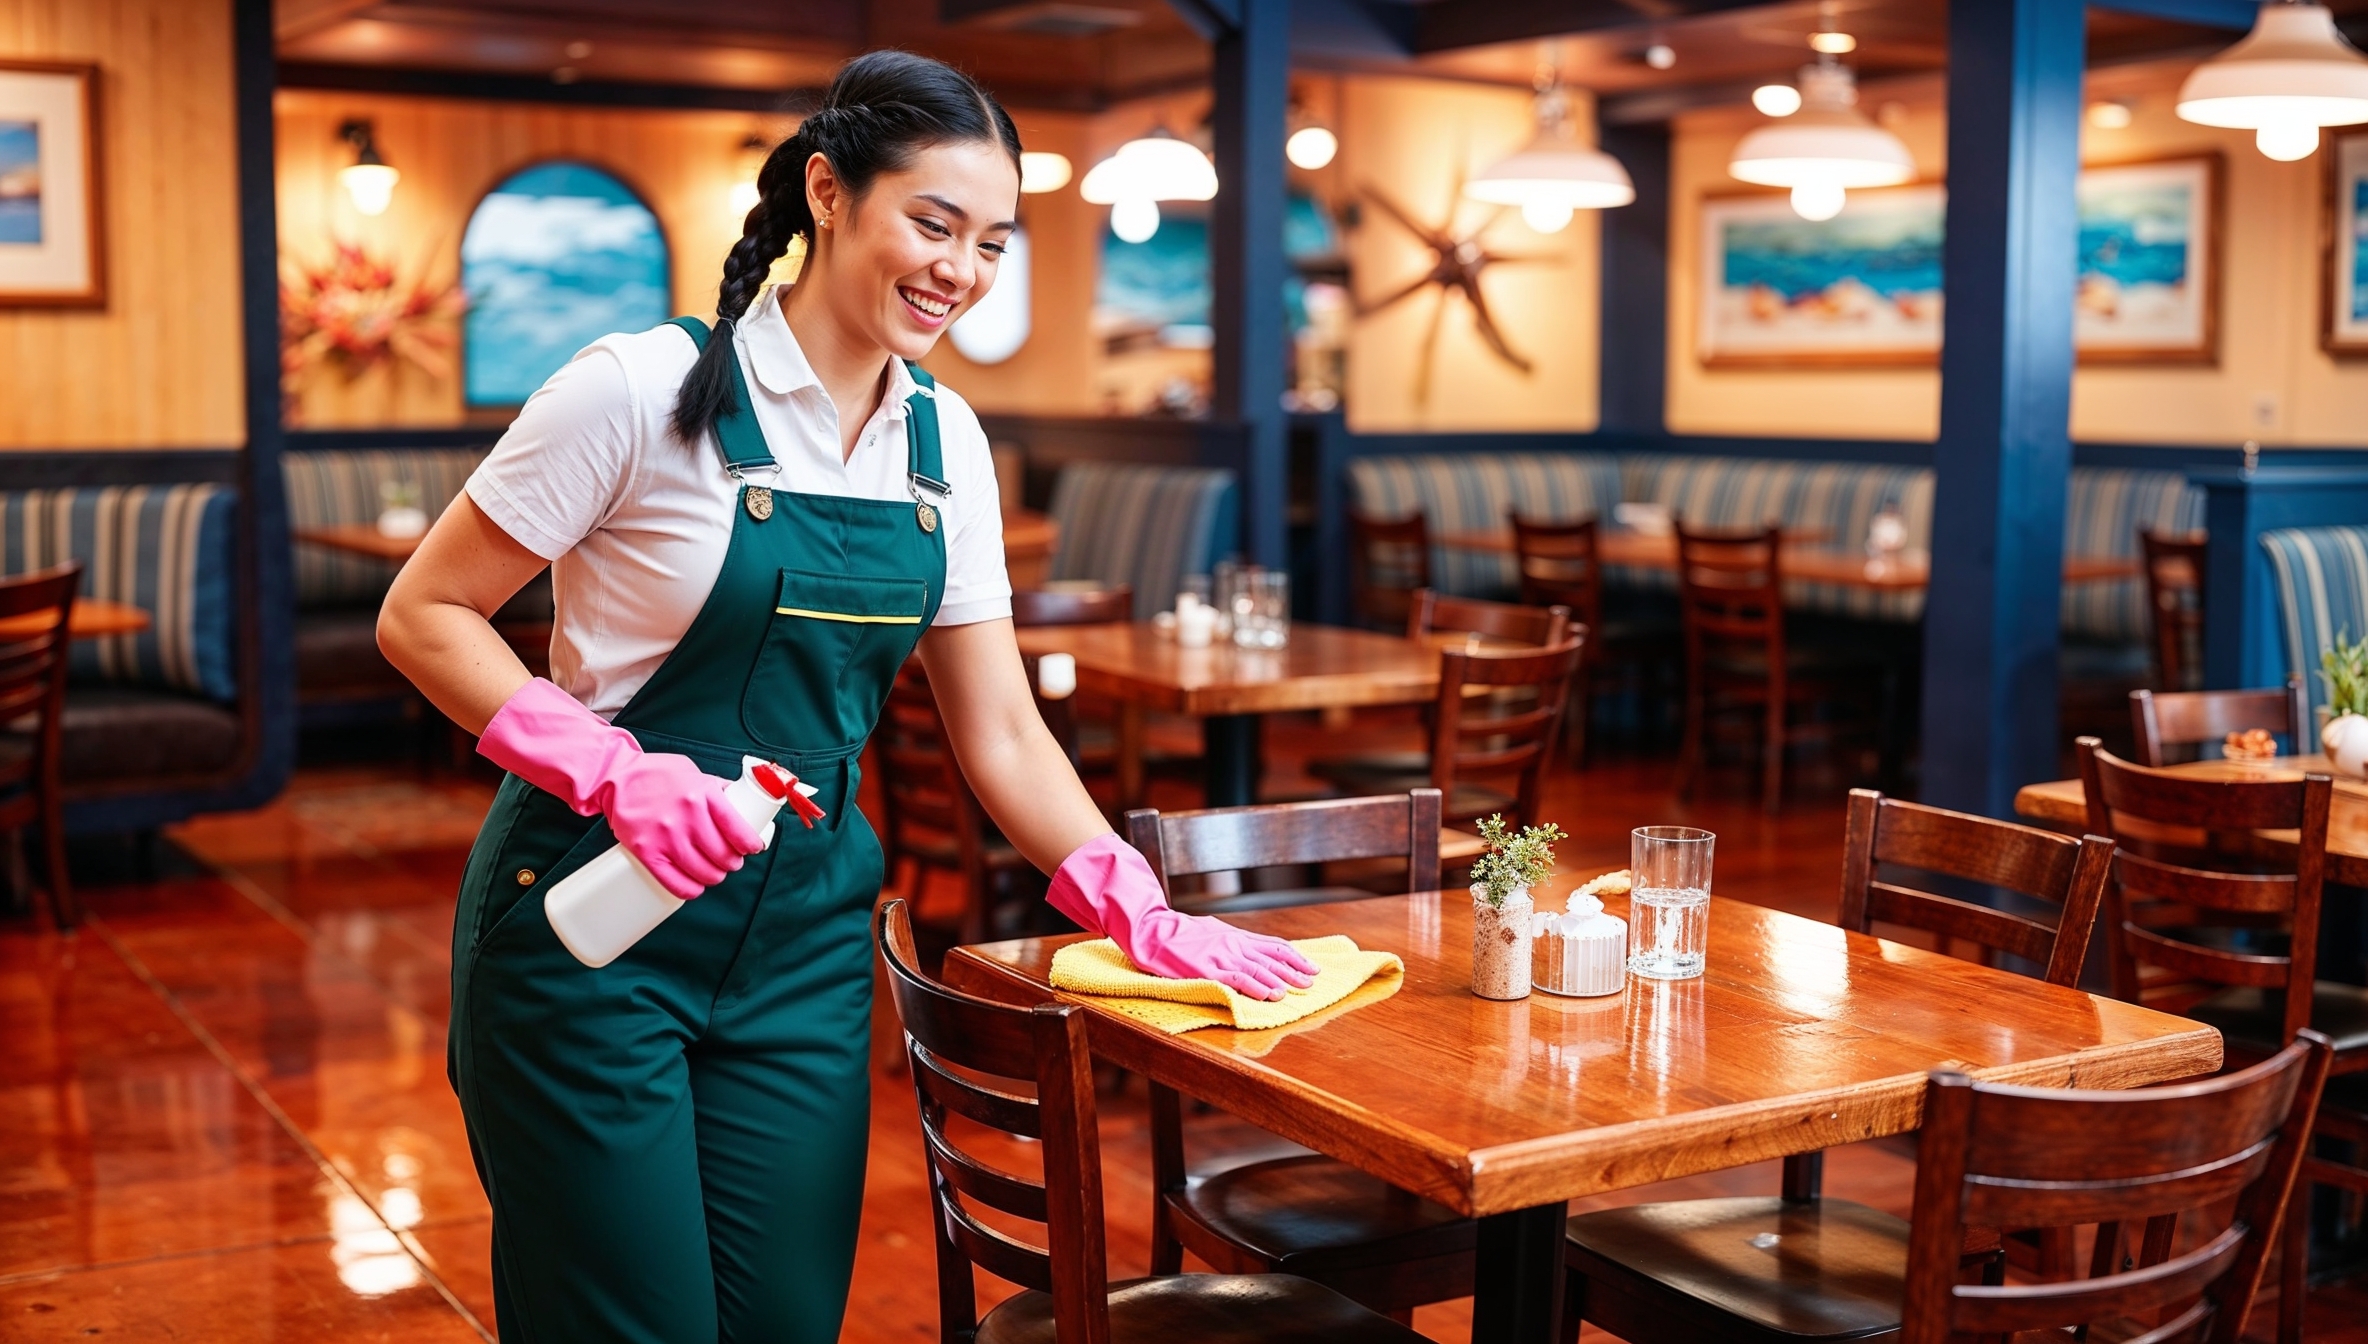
1041, 171
743, 197
369, 180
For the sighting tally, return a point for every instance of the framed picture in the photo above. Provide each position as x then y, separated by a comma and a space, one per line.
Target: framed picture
52, 236
2343, 274
1862, 288
2149, 288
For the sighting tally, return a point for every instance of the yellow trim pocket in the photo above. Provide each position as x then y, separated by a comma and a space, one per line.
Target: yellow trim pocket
849, 618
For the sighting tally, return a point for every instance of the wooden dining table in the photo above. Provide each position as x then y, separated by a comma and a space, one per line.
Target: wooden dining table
1799, 1037
2062, 804
1807, 558
90, 618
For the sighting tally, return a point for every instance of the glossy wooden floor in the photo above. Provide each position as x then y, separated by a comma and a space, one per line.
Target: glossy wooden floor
224, 1115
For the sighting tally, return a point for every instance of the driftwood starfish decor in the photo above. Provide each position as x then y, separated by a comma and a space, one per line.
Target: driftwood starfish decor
1457, 261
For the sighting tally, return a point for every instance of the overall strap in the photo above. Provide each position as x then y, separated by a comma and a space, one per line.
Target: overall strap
923, 459
737, 436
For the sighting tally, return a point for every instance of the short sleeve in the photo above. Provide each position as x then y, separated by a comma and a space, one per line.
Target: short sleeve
567, 459
977, 587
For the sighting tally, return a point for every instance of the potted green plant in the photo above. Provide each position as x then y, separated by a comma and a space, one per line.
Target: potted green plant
2344, 737
1501, 904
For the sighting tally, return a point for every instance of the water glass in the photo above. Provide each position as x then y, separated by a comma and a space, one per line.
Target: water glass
1262, 609
1668, 900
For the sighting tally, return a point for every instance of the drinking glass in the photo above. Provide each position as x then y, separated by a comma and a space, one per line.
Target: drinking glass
1262, 609
1668, 900
1225, 584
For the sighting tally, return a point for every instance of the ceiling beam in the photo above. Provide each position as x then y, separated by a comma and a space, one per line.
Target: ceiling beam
292, 19
1213, 19
2235, 14
1449, 24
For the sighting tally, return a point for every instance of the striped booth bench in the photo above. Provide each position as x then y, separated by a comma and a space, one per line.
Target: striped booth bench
146, 710
1145, 526
2321, 578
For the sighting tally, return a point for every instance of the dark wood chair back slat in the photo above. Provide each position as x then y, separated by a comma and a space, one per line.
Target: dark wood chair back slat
1730, 585
1561, 565
2164, 906
1273, 835
2069, 874
1497, 734
1044, 1046
2169, 720
33, 667
1430, 614
1389, 558
2221, 1154
2175, 606
1031, 607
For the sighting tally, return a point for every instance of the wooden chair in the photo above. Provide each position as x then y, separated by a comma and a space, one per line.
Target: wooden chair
1304, 1214
1560, 566
1654, 1272
1434, 615
1731, 603
33, 662
2199, 721
2175, 606
2228, 938
931, 819
2343, 1117
1092, 737
966, 1055
1072, 604
1389, 559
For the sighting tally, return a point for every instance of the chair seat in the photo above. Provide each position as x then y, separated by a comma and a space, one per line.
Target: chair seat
1743, 1269
1311, 1214
2254, 1019
1208, 1309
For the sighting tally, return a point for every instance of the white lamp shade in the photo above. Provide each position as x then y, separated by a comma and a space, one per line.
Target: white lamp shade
1042, 171
372, 186
1555, 171
1817, 147
1153, 168
995, 327
2294, 68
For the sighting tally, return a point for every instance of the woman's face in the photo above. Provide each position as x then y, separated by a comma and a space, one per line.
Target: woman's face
919, 248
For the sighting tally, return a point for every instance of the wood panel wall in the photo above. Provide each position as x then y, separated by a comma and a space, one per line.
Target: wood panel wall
160, 365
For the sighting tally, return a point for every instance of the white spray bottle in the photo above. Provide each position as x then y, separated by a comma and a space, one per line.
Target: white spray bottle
612, 902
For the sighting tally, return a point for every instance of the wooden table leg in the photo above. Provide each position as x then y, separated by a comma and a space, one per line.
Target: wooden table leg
1130, 756
1229, 756
1517, 1292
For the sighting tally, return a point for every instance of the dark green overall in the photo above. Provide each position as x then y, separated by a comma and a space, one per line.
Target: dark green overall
674, 1143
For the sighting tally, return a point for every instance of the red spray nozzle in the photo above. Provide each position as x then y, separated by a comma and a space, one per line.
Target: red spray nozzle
783, 785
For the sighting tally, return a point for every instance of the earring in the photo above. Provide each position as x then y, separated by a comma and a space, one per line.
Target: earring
824, 221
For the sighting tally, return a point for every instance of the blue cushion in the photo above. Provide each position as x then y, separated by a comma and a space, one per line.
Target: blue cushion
166, 549
1144, 526
2321, 575
2102, 515
1473, 492
328, 489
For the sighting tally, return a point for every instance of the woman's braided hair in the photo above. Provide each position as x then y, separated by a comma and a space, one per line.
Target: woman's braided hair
883, 108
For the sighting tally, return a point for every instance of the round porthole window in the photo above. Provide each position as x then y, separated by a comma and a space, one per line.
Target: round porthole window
997, 327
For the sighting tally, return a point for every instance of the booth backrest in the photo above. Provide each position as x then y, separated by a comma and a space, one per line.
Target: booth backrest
166, 549
2321, 576
1473, 492
1143, 526
2102, 515
344, 487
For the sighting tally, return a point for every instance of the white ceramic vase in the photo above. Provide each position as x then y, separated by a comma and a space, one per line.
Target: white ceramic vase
2345, 740
1501, 945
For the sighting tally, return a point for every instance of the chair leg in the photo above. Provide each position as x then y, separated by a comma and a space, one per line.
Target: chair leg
63, 907
1574, 1306
1576, 708
2294, 1268
1167, 1140
1772, 776
1689, 751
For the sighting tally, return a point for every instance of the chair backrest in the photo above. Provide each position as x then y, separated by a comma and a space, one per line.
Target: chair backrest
2175, 605
1072, 605
1500, 734
946, 1030
2167, 900
1730, 589
1429, 613
2168, 720
2069, 874
1388, 559
1560, 564
1994, 1156
33, 661
923, 793
1271, 835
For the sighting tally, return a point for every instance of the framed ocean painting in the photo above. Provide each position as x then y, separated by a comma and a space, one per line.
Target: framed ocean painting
52, 252
1861, 288
2343, 283
2149, 287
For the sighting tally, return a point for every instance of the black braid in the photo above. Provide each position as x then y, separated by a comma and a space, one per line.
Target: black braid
881, 109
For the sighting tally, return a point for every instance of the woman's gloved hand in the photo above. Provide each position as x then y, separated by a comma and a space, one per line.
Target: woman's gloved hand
1108, 888
665, 810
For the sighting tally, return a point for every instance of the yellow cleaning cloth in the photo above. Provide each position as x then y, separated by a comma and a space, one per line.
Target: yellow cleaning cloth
1178, 1006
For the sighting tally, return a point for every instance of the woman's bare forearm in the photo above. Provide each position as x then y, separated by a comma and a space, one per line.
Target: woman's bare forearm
434, 626
1020, 774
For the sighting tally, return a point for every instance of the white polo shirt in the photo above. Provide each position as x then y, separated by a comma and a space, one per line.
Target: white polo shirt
636, 522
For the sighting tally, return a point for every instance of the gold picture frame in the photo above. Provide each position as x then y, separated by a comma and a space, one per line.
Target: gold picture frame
2343, 248
53, 232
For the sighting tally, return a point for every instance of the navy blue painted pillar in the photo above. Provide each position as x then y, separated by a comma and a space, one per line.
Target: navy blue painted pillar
1634, 354
2005, 448
1246, 266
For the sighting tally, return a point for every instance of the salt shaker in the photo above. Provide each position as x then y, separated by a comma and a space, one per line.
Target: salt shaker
1582, 952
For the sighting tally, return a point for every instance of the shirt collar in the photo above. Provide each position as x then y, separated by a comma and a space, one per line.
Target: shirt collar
781, 367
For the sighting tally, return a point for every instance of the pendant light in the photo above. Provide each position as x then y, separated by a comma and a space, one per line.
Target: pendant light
368, 179
1825, 148
1145, 171
1553, 175
2291, 75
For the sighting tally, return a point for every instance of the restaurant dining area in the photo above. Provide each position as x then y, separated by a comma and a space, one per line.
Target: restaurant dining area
997, 671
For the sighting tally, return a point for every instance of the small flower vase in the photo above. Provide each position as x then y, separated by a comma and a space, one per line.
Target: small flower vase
1501, 944
2345, 740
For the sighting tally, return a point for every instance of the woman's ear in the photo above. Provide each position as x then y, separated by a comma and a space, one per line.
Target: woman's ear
823, 192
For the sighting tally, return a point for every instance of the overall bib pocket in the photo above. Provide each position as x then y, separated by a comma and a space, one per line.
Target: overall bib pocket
833, 641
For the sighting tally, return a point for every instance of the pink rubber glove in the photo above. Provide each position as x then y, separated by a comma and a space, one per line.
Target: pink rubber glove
665, 810
1108, 889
